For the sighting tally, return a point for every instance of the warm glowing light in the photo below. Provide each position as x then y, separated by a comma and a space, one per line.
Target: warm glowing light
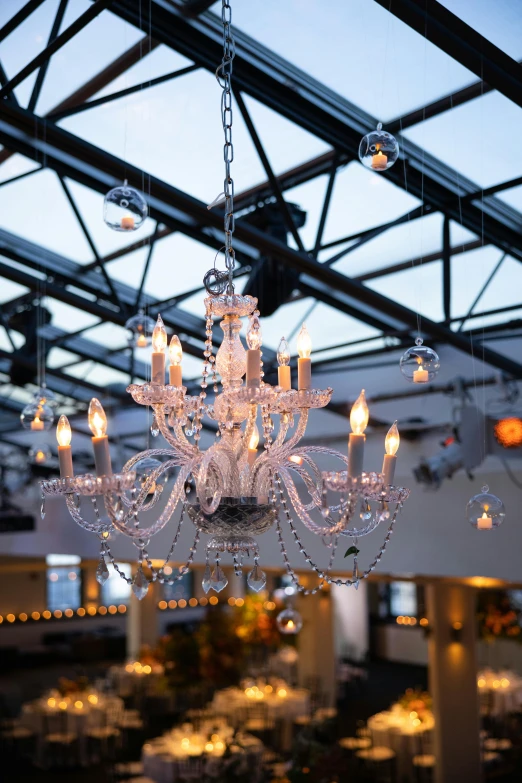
159, 336
40, 457
162, 605
58, 613
254, 336
97, 418
147, 669
113, 609
290, 624
91, 610
253, 443
35, 615
51, 702
304, 343
175, 350
122, 608
129, 668
457, 625
481, 682
220, 745
496, 683
399, 620
193, 602
172, 604
213, 600
283, 353
46, 615
508, 432
185, 742
296, 459
504, 682
22, 617
424, 621
53, 577
413, 714
68, 613
392, 440
182, 603
141, 341
203, 601
92, 698
416, 722
78, 705
268, 689
359, 415
209, 747
240, 601
102, 610
62, 705
282, 691
37, 423
63, 431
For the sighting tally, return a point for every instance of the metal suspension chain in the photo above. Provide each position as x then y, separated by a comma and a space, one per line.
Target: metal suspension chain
217, 282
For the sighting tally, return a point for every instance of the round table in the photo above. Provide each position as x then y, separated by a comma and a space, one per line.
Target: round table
396, 729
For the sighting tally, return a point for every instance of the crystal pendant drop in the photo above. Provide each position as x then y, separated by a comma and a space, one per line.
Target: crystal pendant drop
206, 582
140, 584
42, 508
218, 580
256, 579
154, 429
102, 572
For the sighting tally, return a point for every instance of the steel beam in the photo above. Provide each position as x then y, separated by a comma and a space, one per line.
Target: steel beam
450, 33
20, 17
97, 169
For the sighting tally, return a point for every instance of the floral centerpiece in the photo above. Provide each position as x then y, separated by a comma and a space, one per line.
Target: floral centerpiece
498, 616
67, 687
415, 700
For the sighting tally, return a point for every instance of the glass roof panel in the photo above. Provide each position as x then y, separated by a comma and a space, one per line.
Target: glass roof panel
419, 289
469, 272
101, 42
97, 374
471, 139
9, 290
506, 287
68, 318
173, 131
179, 264
363, 199
500, 23
37, 209
513, 197
15, 165
129, 268
109, 335
57, 357
335, 40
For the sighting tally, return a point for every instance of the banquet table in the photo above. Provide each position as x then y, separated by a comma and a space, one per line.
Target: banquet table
500, 691
83, 711
213, 744
135, 679
396, 729
283, 704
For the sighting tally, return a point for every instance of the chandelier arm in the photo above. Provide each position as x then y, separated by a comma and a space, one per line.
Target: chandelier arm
241, 450
185, 567
177, 492
179, 443
296, 437
311, 487
284, 426
74, 511
201, 477
274, 457
301, 512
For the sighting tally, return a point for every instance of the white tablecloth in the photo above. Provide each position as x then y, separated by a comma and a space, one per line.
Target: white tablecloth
134, 679
45, 715
395, 729
163, 756
499, 691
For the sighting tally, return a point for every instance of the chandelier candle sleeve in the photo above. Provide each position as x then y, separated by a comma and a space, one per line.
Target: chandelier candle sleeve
100, 441
304, 363
253, 367
159, 343
63, 436
390, 460
252, 446
284, 378
358, 422
175, 355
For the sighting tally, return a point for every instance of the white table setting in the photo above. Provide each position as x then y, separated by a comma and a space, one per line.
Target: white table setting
405, 731
135, 678
499, 691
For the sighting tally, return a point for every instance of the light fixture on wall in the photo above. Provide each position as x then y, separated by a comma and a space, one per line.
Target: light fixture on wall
239, 494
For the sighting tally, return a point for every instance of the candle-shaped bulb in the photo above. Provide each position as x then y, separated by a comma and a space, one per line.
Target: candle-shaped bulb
175, 350
97, 418
304, 343
254, 336
254, 439
159, 336
63, 431
283, 353
359, 415
392, 440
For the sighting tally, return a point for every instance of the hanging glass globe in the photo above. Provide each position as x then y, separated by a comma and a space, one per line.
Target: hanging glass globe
289, 621
37, 416
40, 455
140, 327
378, 150
45, 396
420, 364
124, 208
485, 511
143, 470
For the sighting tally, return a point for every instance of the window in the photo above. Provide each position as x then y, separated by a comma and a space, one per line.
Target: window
181, 589
116, 590
64, 582
403, 599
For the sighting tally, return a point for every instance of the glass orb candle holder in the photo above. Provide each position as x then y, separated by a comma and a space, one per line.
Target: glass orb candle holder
485, 511
124, 208
378, 150
143, 469
289, 621
37, 416
140, 328
40, 455
420, 364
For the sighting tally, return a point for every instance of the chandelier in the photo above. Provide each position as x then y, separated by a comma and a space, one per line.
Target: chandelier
229, 492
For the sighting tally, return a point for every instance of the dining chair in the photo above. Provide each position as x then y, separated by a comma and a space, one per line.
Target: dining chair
60, 743
191, 768
424, 758
377, 762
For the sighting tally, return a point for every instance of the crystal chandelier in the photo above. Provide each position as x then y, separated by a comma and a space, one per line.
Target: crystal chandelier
229, 492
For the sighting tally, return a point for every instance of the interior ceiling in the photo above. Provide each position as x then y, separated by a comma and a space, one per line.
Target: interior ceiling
95, 92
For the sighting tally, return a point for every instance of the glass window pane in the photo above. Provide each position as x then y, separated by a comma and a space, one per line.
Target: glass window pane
403, 598
63, 587
419, 289
116, 590
183, 588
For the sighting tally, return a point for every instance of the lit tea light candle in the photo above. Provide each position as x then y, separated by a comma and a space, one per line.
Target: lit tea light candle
484, 522
379, 161
284, 377
92, 698
141, 341
359, 416
391, 444
127, 223
421, 375
481, 682
63, 436
78, 705
37, 424
175, 355
252, 446
98, 425
304, 363
159, 343
253, 367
